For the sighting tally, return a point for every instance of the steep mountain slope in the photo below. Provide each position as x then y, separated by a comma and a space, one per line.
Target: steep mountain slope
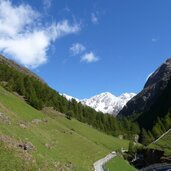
34, 140
40, 95
107, 102
19, 68
154, 100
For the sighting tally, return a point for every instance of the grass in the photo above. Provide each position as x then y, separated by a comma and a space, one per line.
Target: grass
164, 144
9, 160
118, 164
58, 143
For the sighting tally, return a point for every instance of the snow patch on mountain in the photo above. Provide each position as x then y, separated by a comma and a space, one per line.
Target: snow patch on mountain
108, 103
69, 98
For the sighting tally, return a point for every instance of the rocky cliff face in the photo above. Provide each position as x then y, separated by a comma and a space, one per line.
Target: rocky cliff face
153, 88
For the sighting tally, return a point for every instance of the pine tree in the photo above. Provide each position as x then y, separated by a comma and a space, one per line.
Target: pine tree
131, 148
145, 137
156, 131
69, 115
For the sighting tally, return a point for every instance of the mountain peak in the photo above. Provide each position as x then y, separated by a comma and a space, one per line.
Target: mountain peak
163, 73
154, 86
107, 102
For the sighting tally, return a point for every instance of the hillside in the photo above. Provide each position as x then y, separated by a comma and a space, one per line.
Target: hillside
163, 144
153, 101
56, 142
19, 68
40, 95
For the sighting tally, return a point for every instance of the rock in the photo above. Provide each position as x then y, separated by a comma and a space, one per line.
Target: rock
69, 165
23, 125
47, 145
120, 137
26, 146
4, 118
155, 84
45, 120
36, 121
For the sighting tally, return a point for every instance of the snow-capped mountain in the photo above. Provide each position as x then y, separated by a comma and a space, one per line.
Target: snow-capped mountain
108, 103
105, 102
70, 97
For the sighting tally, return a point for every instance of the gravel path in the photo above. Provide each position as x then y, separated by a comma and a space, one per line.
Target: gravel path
98, 165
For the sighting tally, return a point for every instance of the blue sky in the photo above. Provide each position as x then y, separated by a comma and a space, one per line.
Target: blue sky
83, 48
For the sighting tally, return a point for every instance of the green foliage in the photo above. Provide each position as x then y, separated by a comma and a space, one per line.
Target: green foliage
159, 128
39, 95
10, 162
146, 137
118, 164
56, 142
163, 144
131, 148
69, 115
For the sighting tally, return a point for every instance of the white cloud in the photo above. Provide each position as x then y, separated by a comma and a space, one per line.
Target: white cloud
13, 19
89, 58
47, 3
94, 18
25, 41
77, 49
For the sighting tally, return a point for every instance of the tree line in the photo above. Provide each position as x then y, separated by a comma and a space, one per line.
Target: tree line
40, 95
160, 127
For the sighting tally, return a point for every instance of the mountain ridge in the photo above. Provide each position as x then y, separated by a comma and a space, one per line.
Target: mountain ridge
105, 102
19, 68
156, 83
153, 101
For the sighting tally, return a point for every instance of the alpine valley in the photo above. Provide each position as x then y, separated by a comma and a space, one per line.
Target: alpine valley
101, 52
31, 113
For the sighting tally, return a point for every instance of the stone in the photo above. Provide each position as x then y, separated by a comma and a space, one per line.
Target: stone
4, 118
36, 121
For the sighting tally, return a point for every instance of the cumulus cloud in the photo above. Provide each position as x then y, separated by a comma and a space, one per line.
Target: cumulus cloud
23, 35
89, 57
77, 49
94, 18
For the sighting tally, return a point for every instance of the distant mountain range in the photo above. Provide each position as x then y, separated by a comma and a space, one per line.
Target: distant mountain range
105, 102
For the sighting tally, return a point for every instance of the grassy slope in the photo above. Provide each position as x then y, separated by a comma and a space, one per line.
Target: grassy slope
57, 142
118, 164
164, 144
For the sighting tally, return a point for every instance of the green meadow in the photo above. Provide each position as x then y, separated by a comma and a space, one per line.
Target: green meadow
57, 143
118, 164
